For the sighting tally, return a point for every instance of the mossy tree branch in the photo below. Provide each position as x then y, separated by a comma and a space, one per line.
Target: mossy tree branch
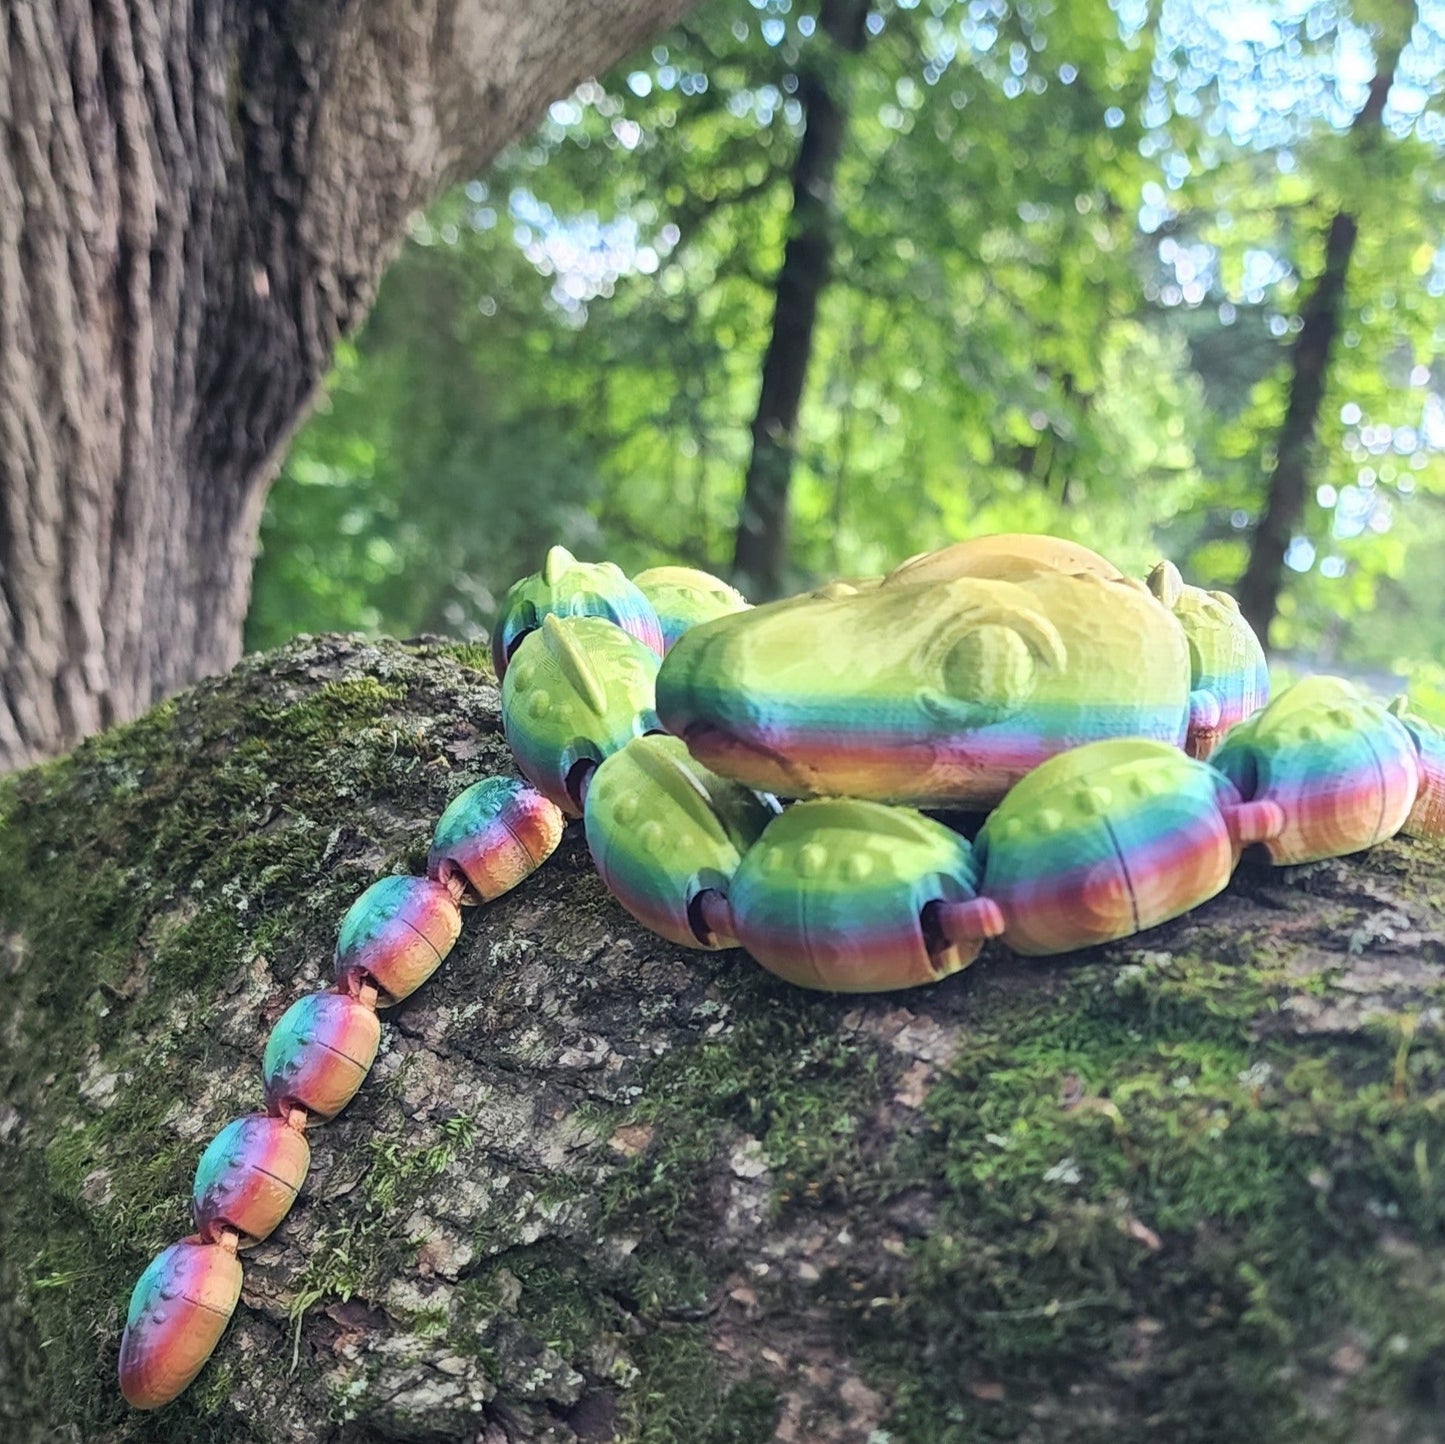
596, 1188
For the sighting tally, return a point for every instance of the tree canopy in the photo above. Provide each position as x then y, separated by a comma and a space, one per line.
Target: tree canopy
1071, 253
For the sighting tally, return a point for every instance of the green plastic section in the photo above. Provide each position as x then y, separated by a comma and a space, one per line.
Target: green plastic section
1314, 708
663, 828
1051, 783
578, 688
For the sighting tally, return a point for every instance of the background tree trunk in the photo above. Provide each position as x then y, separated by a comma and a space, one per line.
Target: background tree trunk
598, 1188
761, 552
1289, 481
196, 201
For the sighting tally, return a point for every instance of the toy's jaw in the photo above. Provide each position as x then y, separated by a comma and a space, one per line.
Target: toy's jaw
752, 762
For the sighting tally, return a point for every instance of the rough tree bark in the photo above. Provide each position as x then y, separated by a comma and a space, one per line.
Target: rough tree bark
1187, 1187
1289, 482
196, 200
760, 556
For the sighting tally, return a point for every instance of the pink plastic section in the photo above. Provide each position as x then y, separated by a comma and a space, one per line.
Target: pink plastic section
975, 920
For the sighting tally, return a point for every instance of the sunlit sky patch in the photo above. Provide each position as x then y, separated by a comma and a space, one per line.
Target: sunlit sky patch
1255, 74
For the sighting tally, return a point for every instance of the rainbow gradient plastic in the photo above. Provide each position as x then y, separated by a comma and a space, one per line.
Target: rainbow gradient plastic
566, 587
1109, 839
1427, 816
319, 1053
178, 1311
1342, 769
1230, 676
938, 694
248, 1177
663, 829
396, 934
578, 690
684, 596
833, 896
495, 834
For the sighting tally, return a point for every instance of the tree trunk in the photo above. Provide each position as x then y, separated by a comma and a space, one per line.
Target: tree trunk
761, 552
196, 200
597, 1188
1289, 482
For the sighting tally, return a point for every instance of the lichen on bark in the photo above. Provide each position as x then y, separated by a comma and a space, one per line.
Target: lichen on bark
596, 1188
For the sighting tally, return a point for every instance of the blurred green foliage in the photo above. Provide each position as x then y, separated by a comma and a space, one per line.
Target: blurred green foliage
1071, 245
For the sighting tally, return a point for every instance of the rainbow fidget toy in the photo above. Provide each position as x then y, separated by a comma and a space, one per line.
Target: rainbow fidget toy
1120, 731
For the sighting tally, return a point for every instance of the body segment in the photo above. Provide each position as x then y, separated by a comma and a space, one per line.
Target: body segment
249, 1176
833, 895
683, 597
566, 587
663, 829
578, 691
178, 1311
1105, 841
494, 834
1229, 674
1342, 769
319, 1053
396, 934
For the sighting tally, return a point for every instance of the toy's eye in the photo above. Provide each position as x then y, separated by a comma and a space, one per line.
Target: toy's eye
990, 664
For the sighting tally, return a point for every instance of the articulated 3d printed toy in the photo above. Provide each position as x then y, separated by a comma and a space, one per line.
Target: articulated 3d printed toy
1117, 729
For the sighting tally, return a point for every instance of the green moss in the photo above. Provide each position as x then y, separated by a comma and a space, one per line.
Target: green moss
679, 1394
773, 1075
1137, 1185
476, 655
163, 849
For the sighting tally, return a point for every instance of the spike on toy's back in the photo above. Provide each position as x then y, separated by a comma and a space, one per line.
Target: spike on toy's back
558, 563
564, 588
575, 665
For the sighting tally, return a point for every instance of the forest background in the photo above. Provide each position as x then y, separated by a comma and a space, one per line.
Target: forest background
1167, 278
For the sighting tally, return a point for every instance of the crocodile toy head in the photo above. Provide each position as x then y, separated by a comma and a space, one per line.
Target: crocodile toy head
944, 694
